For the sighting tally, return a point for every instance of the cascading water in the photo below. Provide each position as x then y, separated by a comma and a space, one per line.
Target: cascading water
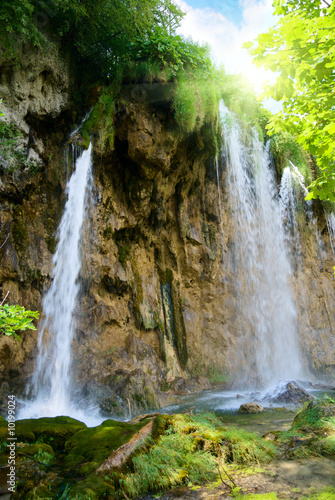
268, 343
51, 383
330, 218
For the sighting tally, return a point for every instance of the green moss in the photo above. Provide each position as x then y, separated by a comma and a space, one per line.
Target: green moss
40, 492
101, 121
87, 449
180, 330
318, 417
41, 452
52, 431
312, 432
108, 232
91, 488
20, 235
324, 494
285, 149
257, 496
196, 101
51, 244
124, 253
217, 376
165, 276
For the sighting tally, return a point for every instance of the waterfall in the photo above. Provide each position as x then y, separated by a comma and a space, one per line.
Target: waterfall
51, 383
219, 198
267, 317
330, 218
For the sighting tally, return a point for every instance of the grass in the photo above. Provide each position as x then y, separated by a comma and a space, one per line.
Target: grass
324, 494
195, 102
312, 432
189, 453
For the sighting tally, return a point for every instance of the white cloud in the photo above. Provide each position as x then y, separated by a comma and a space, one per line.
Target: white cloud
207, 25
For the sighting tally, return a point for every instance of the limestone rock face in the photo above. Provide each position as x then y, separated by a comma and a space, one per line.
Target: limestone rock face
158, 308
36, 99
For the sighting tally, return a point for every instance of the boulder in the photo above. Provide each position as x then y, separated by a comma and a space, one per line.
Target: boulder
292, 393
251, 408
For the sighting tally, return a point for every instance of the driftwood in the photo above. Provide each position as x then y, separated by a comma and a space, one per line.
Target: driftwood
118, 458
139, 418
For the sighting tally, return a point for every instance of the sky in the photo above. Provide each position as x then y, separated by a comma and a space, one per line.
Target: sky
226, 25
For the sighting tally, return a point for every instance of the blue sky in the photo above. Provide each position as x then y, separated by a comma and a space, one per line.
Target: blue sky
229, 8
226, 25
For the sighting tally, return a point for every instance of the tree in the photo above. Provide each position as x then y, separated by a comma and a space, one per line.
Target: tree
97, 31
301, 49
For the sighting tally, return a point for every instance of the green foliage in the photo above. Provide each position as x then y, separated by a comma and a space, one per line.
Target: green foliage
316, 416
195, 101
217, 376
312, 432
285, 148
13, 157
189, 452
15, 318
170, 51
301, 48
17, 22
177, 458
87, 449
257, 496
101, 121
99, 32
324, 494
241, 99
240, 447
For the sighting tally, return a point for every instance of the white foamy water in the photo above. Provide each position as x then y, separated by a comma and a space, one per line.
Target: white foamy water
266, 311
51, 382
330, 218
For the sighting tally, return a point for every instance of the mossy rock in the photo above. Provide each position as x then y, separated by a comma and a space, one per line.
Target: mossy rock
324, 447
93, 488
161, 423
317, 417
20, 235
52, 431
40, 492
87, 449
35, 449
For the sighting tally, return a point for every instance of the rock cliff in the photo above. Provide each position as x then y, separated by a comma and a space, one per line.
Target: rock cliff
157, 313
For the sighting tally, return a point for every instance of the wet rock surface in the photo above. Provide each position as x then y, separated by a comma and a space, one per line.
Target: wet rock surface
291, 393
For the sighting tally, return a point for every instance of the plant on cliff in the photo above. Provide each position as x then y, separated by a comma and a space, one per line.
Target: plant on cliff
13, 156
15, 318
301, 49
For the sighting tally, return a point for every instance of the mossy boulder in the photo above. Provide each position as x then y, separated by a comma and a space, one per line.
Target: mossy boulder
93, 488
312, 432
42, 452
87, 449
317, 417
52, 431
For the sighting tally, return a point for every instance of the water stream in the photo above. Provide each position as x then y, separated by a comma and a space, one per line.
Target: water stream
266, 310
51, 383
